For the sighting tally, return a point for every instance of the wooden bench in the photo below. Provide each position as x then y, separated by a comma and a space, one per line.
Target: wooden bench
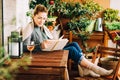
50, 65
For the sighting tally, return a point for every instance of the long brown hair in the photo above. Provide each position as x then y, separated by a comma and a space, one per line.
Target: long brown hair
40, 8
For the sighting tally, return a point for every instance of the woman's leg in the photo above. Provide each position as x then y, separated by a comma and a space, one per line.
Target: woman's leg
85, 63
74, 54
75, 44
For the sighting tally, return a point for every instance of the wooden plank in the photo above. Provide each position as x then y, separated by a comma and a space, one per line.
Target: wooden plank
64, 59
55, 71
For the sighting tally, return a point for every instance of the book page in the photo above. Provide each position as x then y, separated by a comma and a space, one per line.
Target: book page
55, 45
60, 44
50, 44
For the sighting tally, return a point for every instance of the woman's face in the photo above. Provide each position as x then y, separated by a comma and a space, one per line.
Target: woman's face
40, 18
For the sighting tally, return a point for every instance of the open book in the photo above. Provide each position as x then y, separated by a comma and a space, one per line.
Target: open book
56, 44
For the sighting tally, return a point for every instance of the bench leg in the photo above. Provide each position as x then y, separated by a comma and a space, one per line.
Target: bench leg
66, 74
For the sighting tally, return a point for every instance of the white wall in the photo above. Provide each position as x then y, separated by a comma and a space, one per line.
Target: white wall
115, 4
14, 16
22, 6
0, 23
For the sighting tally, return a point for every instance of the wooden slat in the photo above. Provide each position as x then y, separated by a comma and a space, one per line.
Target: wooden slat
109, 50
46, 71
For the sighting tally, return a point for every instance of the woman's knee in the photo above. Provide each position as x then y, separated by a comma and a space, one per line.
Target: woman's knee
75, 44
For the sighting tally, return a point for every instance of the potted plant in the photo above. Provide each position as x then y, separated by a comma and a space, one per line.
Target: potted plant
83, 25
67, 11
78, 28
111, 22
110, 17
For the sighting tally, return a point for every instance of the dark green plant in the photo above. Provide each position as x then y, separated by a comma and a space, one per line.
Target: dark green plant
33, 3
69, 9
49, 23
78, 28
80, 23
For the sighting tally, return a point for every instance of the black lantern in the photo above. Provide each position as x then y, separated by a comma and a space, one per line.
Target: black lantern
15, 45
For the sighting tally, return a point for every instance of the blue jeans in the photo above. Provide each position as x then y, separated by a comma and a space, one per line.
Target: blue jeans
75, 52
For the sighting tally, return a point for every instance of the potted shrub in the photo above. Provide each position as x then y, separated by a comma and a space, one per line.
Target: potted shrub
67, 11
111, 23
78, 27
83, 24
110, 14
110, 17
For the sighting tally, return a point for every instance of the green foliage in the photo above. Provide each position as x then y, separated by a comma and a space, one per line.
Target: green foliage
80, 23
1, 53
33, 3
69, 9
92, 7
115, 25
117, 38
29, 13
110, 14
7, 66
7, 72
78, 28
49, 23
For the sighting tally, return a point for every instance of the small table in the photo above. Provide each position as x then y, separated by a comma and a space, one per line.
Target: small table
52, 64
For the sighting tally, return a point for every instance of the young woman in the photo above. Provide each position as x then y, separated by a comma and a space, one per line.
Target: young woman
38, 32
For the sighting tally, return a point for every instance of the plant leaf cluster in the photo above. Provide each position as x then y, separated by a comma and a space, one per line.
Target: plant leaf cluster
110, 14
80, 23
92, 7
115, 25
